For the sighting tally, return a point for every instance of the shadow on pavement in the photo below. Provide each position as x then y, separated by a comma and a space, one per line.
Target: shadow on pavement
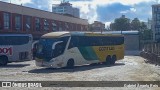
76, 68
15, 66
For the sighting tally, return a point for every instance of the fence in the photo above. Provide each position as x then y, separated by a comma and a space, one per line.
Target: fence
152, 53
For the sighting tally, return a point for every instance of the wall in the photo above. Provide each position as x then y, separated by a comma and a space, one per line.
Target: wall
132, 44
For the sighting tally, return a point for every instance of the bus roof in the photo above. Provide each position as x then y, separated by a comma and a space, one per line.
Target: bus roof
55, 34
65, 33
93, 34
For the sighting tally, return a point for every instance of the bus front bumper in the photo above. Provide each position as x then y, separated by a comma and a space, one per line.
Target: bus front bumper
42, 63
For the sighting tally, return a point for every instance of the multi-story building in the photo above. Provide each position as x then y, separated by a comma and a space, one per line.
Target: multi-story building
97, 26
156, 22
149, 24
20, 19
66, 9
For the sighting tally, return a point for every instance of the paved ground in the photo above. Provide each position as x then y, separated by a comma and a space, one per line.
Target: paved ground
132, 68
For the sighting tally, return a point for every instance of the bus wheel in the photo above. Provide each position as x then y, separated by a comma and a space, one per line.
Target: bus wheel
3, 60
70, 64
114, 58
108, 60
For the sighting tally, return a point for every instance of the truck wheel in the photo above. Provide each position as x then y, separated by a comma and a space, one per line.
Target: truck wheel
70, 64
114, 58
108, 60
3, 60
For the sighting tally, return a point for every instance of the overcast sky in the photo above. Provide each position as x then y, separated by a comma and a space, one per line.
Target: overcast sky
101, 10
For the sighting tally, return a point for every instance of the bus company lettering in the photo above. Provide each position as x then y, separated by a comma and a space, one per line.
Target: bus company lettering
106, 48
6, 50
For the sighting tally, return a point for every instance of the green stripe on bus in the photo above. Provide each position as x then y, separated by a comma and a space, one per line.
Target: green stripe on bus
88, 53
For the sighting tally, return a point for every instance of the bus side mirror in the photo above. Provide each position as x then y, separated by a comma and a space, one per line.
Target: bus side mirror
54, 44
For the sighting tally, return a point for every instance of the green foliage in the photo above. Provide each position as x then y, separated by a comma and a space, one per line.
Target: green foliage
122, 24
143, 26
146, 34
135, 24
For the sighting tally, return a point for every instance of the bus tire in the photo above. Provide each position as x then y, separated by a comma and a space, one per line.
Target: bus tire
3, 60
108, 60
114, 58
70, 64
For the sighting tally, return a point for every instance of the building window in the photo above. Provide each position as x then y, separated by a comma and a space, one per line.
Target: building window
60, 11
37, 26
157, 37
157, 22
71, 26
54, 26
28, 23
18, 22
157, 30
6, 19
60, 26
86, 28
46, 25
155, 9
75, 27
158, 16
54, 9
81, 28
66, 26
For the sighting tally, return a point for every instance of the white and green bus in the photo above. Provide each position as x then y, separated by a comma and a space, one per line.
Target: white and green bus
68, 49
15, 48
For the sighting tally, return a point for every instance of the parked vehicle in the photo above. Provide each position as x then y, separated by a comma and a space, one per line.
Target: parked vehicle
15, 47
67, 49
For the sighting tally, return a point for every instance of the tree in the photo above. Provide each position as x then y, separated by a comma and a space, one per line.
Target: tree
135, 24
124, 24
112, 27
146, 34
121, 23
143, 26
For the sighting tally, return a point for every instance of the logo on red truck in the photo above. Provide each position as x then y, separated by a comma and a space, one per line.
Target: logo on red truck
6, 50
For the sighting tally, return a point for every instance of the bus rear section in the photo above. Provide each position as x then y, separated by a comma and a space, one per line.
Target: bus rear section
96, 48
58, 50
15, 48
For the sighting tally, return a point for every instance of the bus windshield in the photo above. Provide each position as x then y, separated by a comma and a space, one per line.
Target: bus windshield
45, 44
51, 47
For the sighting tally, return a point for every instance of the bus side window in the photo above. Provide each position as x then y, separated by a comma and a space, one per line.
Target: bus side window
74, 42
60, 47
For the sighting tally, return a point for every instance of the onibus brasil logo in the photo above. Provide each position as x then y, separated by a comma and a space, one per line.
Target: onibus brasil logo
20, 84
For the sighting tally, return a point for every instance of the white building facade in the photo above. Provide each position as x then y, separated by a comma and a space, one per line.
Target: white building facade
66, 9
